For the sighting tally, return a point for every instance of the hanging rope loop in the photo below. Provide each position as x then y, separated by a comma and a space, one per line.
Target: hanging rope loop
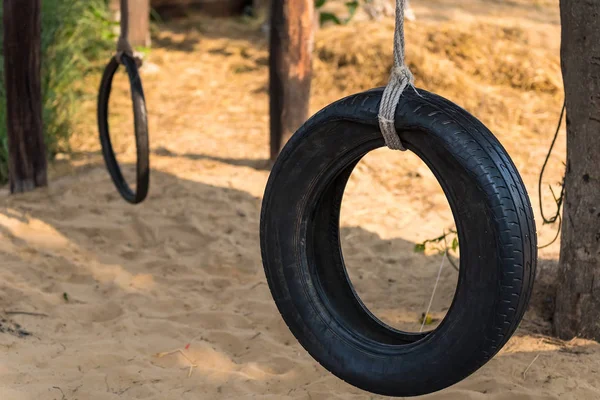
400, 78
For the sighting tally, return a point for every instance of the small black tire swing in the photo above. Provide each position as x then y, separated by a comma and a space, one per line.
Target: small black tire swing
125, 56
304, 265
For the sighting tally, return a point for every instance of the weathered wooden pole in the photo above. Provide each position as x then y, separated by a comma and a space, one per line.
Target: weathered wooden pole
139, 23
22, 78
139, 20
577, 310
290, 63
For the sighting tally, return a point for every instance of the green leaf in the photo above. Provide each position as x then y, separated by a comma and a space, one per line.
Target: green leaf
329, 17
352, 7
420, 248
454, 244
320, 3
427, 319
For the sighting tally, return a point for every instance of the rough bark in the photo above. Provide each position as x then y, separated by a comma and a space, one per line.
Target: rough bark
291, 45
22, 73
577, 311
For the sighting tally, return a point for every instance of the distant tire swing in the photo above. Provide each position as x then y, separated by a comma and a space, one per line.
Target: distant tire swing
141, 131
303, 260
125, 56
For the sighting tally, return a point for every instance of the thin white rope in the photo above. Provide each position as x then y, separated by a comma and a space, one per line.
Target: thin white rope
434, 289
400, 78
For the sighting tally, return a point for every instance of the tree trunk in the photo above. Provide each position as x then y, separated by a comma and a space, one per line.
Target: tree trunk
292, 40
577, 310
22, 77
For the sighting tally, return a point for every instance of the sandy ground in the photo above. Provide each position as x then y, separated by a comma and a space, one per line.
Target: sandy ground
110, 285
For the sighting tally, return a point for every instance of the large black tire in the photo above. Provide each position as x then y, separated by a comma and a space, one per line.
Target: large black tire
305, 268
140, 129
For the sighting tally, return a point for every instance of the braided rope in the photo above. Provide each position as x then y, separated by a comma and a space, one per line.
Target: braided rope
400, 78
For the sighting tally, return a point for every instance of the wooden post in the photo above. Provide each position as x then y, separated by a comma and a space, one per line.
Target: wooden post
139, 23
139, 20
290, 63
22, 77
577, 310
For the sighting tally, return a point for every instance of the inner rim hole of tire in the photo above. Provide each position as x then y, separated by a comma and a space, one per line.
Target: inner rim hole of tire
392, 205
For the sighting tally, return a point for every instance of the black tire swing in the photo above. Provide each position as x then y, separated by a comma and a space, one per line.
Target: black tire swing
126, 57
303, 260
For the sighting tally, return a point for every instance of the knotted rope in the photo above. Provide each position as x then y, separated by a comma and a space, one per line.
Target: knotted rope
400, 78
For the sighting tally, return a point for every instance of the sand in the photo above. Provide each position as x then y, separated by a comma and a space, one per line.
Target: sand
108, 287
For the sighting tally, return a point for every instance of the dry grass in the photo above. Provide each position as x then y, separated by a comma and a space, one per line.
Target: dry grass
491, 70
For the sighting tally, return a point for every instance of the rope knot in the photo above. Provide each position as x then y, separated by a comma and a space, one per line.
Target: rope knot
400, 78
402, 75
124, 47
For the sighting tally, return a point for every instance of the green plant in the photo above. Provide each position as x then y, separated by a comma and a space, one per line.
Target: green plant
325, 16
440, 244
75, 34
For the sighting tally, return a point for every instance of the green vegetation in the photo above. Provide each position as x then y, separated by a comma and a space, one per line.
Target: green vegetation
324, 16
440, 244
76, 35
